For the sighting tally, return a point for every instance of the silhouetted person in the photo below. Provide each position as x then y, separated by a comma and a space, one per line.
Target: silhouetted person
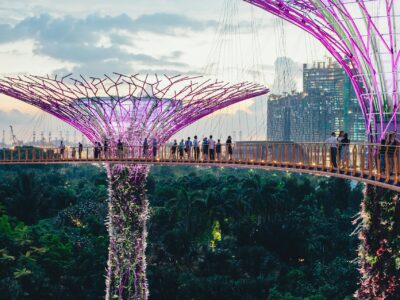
229, 147
120, 149
173, 149
62, 150
345, 144
181, 149
218, 149
188, 147
80, 149
211, 147
205, 148
96, 150
145, 147
332, 143
196, 148
105, 147
154, 147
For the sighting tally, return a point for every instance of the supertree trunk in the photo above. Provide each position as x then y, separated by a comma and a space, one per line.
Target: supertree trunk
128, 212
379, 249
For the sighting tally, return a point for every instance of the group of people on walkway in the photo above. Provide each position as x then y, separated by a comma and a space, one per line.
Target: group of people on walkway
206, 148
339, 147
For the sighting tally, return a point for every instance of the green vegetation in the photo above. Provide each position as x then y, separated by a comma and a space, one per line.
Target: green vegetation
213, 234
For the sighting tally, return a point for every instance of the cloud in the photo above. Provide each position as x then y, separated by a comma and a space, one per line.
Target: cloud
100, 44
13, 117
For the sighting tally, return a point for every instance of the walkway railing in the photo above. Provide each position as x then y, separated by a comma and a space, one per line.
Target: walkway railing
370, 163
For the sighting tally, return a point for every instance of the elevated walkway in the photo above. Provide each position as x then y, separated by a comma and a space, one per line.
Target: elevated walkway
368, 163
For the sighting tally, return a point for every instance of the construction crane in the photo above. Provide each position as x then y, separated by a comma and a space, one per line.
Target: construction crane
15, 142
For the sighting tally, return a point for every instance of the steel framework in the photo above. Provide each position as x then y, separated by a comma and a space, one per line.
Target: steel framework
130, 109
363, 37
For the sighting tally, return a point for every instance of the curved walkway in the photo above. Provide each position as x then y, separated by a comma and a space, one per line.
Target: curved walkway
370, 164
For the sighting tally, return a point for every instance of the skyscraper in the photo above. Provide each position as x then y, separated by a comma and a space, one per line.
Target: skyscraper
328, 103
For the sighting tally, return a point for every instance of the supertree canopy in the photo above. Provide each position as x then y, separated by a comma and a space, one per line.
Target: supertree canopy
363, 36
129, 108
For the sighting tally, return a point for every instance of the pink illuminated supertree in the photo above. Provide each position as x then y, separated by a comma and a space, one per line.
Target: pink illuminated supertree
364, 38
130, 109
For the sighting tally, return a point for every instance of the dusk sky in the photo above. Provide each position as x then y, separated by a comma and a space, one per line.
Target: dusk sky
225, 39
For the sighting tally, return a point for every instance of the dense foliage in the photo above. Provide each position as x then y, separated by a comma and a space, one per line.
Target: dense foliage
213, 234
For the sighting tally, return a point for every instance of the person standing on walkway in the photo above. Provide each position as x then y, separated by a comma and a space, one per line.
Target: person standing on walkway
105, 148
181, 149
229, 148
120, 149
218, 149
196, 148
96, 150
211, 146
332, 144
62, 149
173, 149
188, 147
100, 151
154, 148
345, 146
205, 148
145, 147
73, 154
80, 149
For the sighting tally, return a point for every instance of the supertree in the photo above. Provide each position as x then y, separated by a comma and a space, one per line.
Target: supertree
127, 108
363, 37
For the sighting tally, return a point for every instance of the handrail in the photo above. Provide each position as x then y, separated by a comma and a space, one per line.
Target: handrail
372, 162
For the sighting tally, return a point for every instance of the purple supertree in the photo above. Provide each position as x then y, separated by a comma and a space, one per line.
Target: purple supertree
364, 38
127, 108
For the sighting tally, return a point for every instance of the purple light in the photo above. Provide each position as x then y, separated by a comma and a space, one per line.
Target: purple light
363, 37
127, 216
129, 108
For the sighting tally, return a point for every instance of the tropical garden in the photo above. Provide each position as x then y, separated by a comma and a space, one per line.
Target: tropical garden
214, 233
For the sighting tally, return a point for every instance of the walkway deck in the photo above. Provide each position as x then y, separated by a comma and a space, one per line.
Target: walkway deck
365, 163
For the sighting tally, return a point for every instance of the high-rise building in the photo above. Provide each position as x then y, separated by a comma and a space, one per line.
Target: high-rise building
328, 103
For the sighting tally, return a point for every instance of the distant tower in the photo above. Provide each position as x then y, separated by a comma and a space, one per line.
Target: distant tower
34, 137
240, 135
3, 140
49, 137
285, 76
42, 138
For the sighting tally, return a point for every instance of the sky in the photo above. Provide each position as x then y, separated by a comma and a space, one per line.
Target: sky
225, 39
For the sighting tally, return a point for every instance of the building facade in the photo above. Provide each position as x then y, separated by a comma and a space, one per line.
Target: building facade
328, 103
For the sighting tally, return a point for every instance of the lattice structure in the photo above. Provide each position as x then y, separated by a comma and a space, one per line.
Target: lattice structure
129, 108
127, 216
363, 37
